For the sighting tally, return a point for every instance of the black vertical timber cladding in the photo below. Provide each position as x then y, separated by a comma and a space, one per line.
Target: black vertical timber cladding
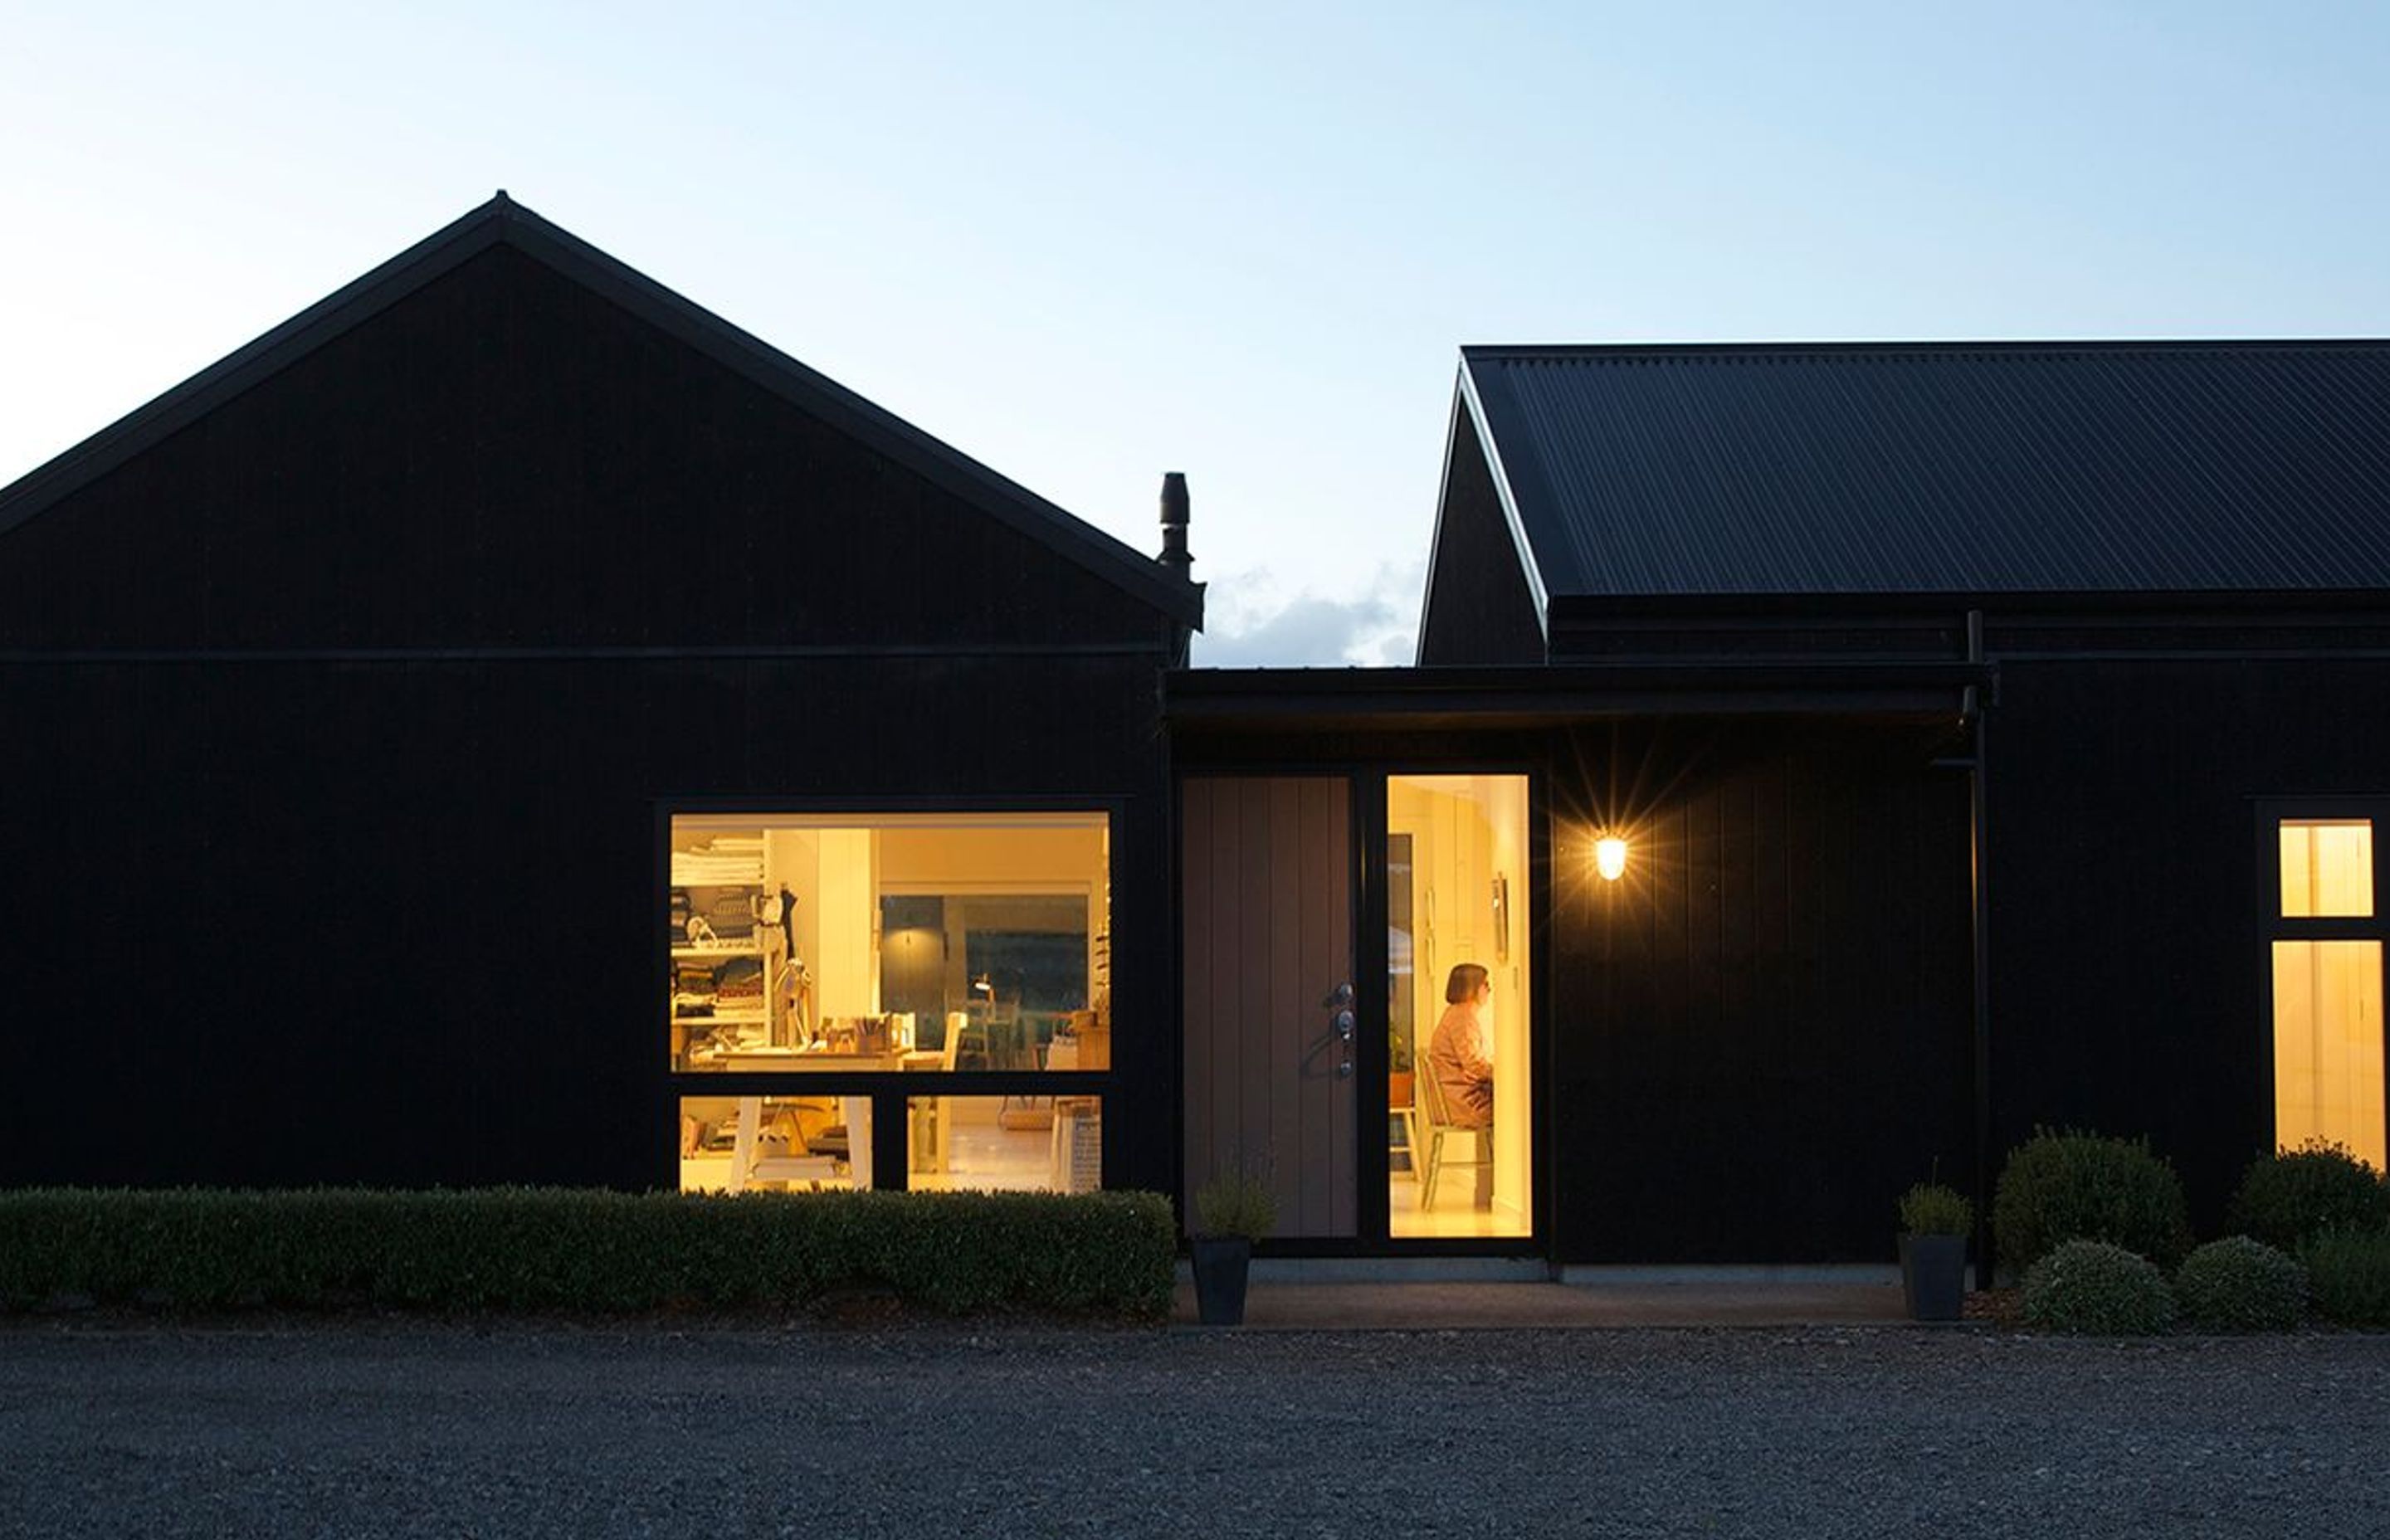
506, 458
389, 914
1480, 608
1761, 1034
2129, 983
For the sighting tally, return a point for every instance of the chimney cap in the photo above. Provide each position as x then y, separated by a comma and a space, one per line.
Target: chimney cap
1173, 522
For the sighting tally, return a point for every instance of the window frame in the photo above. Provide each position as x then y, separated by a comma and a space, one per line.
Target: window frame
887, 1090
2274, 926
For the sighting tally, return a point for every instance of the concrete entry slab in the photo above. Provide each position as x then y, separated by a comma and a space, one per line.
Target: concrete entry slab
1463, 1306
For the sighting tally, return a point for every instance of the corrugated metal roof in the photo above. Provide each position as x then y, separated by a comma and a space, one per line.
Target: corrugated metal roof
1950, 467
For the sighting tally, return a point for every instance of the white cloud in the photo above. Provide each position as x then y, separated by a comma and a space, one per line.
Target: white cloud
1253, 626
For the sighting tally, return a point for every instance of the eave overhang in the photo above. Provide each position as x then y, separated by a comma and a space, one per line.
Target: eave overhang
1554, 695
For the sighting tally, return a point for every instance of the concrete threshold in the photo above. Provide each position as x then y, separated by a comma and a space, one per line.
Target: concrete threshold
1278, 1299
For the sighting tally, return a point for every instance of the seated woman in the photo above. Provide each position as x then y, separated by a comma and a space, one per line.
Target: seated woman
1457, 1055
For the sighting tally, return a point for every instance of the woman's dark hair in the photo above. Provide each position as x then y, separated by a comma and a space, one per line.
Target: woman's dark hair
1466, 980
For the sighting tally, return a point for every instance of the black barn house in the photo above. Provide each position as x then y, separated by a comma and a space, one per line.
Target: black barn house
510, 725
368, 694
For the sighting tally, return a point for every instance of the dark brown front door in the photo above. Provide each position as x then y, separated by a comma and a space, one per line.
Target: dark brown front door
1267, 875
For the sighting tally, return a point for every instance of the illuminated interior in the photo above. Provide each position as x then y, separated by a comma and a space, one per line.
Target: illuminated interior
1457, 893
754, 1144
2327, 868
2328, 1043
1004, 1144
953, 1144
944, 942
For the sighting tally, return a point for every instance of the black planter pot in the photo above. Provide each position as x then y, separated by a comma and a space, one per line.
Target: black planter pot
1934, 1275
1220, 1264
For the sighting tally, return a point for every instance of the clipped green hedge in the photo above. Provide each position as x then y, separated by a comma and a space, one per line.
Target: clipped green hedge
2077, 1186
2288, 1196
2093, 1289
2238, 1284
2349, 1275
1110, 1253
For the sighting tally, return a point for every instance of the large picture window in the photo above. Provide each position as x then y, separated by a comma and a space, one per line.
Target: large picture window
871, 943
2327, 987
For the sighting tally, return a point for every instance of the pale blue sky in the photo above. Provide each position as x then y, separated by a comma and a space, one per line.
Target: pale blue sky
1089, 243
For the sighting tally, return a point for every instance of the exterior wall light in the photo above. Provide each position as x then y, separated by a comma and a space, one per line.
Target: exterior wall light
1610, 857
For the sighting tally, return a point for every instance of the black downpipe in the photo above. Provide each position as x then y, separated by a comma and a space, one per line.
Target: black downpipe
1979, 849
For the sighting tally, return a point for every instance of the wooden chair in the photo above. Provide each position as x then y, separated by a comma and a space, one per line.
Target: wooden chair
1407, 1114
1439, 1125
756, 1161
933, 1126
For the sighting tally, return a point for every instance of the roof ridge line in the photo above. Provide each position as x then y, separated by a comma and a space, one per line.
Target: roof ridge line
501, 219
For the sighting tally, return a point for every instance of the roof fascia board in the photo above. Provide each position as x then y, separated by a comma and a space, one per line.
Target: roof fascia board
1495, 466
1457, 422
345, 308
1562, 708
1472, 679
2013, 347
1573, 610
1562, 691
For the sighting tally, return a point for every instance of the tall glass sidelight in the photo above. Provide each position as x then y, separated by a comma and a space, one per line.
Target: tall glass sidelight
2327, 991
1459, 983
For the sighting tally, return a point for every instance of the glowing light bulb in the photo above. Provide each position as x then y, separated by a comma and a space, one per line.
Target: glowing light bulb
1610, 857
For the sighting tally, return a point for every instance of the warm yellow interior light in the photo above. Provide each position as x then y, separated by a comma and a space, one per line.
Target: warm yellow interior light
2327, 868
1610, 857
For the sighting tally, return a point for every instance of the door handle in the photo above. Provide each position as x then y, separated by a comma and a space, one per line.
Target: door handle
1339, 1004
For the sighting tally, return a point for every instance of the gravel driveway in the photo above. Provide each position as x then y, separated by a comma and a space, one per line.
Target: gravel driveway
416, 1429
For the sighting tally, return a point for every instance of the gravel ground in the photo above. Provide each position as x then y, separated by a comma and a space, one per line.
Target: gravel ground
412, 1428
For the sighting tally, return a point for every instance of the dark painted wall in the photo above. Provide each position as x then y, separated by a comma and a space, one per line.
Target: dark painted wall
2129, 991
507, 458
1750, 1046
396, 919
1762, 1034
1479, 607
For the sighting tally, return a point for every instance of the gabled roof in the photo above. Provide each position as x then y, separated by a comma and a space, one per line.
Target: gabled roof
1988, 468
502, 221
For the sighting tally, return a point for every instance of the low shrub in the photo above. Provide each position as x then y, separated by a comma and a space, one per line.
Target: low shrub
1931, 1209
1237, 1202
2239, 1284
2288, 1196
547, 1248
2090, 1287
2077, 1185
2349, 1275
